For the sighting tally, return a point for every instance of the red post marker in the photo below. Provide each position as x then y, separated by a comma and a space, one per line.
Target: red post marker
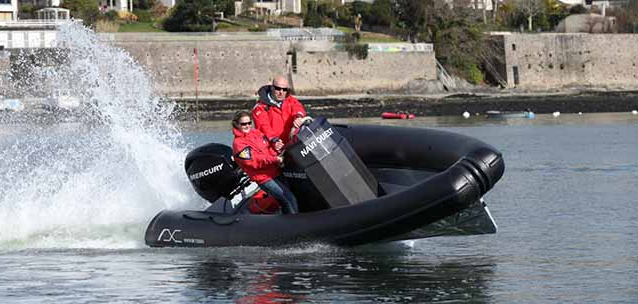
196, 62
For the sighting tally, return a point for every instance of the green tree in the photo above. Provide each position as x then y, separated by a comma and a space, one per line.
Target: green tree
27, 11
143, 4
506, 14
226, 6
344, 15
312, 17
87, 10
326, 9
457, 34
192, 16
381, 13
552, 14
412, 16
363, 9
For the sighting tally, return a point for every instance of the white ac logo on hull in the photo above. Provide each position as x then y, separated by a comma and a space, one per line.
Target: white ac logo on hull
170, 236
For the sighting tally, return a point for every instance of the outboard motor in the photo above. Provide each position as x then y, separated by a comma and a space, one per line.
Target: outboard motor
212, 171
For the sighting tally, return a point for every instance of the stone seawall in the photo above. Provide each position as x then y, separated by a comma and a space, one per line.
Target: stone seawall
5, 70
237, 65
550, 61
338, 72
225, 68
240, 67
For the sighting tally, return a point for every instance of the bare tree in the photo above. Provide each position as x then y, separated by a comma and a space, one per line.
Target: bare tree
529, 8
494, 9
485, 11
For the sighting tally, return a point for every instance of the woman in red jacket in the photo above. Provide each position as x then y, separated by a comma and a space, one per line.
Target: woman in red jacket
253, 153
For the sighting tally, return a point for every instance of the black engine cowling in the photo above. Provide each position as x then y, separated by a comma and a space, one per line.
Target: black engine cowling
212, 171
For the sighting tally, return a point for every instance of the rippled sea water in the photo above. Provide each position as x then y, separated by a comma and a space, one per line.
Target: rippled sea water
567, 210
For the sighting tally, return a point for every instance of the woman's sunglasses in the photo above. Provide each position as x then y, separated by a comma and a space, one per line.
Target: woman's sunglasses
245, 123
276, 88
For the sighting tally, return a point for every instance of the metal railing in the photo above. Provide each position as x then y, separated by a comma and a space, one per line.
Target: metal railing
28, 39
444, 77
290, 34
400, 47
35, 23
323, 33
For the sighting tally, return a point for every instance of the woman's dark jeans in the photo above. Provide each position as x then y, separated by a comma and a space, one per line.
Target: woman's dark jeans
277, 188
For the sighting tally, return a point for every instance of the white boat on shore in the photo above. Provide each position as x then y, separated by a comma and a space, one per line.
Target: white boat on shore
510, 114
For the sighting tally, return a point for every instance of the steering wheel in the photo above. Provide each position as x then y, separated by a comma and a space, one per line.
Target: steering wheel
306, 121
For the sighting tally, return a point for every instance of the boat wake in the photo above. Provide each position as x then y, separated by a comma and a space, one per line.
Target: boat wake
96, 182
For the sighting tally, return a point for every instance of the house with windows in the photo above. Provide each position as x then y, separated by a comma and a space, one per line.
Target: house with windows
8, 10
118, 5
49, 16
270, 7
40, 3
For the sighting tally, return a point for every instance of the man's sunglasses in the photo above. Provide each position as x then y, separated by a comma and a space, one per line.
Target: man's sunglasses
276, 88
245, 123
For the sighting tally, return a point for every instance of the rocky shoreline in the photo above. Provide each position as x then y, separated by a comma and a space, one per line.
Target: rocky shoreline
370, 105
427, 105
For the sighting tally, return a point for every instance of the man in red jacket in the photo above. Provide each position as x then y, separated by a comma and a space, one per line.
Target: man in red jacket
254, 154
277, 112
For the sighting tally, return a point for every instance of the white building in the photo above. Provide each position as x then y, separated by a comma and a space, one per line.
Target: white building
53, 13
8, 10
271, 7
478, 4
169, 3
605, 3
118, 5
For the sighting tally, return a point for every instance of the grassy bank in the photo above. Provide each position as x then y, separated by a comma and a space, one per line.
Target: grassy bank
143, 27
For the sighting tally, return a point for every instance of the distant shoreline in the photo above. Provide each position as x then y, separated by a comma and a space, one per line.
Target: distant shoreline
369, 105
215, 108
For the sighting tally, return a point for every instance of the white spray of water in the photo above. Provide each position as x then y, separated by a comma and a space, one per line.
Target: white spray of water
98, 182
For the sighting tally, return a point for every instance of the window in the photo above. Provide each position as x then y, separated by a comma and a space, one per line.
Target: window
513, 47
5, 1
6, 16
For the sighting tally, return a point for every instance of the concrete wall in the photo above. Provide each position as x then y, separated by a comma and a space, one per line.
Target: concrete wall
548, 61
226, 68
337, 72
5, 70
27, 39
239, 67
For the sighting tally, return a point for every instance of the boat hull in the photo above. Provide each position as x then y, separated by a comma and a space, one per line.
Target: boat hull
427, 176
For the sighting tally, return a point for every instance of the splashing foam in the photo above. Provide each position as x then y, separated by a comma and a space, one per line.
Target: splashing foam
99, 181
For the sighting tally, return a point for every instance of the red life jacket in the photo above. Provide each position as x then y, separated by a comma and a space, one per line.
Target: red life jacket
276, 120
262, 203
253, 153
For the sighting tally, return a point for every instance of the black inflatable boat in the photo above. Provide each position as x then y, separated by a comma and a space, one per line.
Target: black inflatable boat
408, 183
